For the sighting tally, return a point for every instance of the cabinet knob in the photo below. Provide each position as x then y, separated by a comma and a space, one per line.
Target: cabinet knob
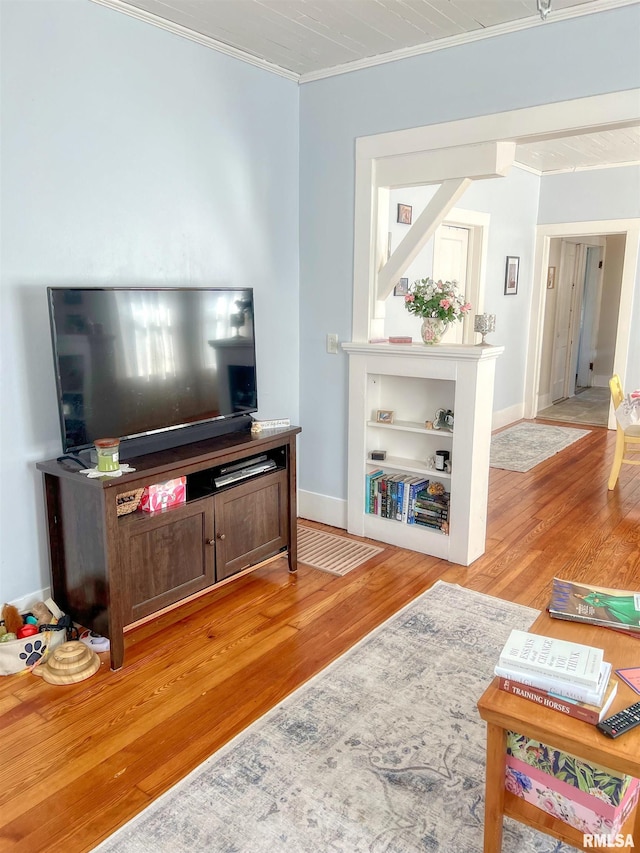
220, 536
211, 541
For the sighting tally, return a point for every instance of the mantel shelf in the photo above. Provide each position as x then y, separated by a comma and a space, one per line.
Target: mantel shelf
455, 352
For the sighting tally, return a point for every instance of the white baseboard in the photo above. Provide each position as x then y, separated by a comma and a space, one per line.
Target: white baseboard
544, 401
26, 602
600, 381
322, 508
507, 416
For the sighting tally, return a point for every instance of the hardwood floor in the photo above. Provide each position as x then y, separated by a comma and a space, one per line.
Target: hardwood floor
81, 760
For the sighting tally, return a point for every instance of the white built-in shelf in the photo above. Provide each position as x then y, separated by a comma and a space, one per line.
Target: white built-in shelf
414, 382
411, 426
408, 466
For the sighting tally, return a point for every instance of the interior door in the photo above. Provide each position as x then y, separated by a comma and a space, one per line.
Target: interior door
450, 262
589, 315
562, 329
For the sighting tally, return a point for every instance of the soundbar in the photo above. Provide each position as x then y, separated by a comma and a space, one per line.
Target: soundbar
243, 473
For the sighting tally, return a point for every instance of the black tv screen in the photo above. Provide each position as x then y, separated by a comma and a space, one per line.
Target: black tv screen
135, 361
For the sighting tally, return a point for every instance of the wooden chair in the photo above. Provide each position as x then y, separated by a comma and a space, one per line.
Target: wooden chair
627, 440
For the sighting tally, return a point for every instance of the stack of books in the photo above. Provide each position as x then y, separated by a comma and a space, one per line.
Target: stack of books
431, 510
568, 677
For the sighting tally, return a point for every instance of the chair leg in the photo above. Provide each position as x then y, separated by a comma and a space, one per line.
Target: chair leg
617, 459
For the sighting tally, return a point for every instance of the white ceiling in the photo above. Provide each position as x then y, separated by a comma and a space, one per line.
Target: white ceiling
306, 40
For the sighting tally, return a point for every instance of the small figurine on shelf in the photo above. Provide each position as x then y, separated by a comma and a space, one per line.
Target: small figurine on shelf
435, 488
443, 419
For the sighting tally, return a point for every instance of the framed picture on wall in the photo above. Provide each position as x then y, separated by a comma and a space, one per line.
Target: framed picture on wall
511, 275
551, 278
402, 287
404, 214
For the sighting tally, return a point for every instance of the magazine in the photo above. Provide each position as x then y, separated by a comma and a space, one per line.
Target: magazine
597, 605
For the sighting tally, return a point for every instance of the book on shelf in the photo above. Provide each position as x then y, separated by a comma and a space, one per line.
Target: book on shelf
563, 659
562, 688
369, 488
414, 490
596, 605
409, 488
400, 339
571, 707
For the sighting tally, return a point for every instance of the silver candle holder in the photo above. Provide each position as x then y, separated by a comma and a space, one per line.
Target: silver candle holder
484, 323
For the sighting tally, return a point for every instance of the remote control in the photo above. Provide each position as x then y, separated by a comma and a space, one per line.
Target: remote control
622, 722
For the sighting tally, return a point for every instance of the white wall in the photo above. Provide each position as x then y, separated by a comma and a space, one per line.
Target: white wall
130, 156
609, 306
553, 62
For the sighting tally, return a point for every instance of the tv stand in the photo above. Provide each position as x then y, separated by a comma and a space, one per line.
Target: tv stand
110, 572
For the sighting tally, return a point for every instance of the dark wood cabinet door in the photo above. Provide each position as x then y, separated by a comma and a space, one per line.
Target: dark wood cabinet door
251, 523
168, 556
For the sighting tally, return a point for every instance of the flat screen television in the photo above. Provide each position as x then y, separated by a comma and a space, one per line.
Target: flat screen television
135, 362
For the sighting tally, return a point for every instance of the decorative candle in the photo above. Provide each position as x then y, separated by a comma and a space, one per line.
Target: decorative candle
108, 450
484, 323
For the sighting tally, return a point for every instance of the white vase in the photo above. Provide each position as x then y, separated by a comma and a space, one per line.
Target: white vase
432, 330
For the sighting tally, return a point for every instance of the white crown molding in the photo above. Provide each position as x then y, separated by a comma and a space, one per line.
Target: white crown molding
571, 169
467, 38
382, 59
192, 35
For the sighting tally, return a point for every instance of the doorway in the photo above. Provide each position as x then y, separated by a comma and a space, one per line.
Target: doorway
621, 244
574, 334
581, 347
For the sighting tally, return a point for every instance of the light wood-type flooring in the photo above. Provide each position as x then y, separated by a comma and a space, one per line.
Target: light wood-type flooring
78, 761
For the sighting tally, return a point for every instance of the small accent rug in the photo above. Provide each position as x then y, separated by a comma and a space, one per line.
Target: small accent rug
523, 446
381, 752
331, 553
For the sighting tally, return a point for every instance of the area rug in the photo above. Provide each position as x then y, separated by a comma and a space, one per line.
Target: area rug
335, 554
523, 446
381, 752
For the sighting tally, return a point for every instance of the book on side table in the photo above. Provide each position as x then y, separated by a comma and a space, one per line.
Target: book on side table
596, 605
589, 713
557, 674
535, 654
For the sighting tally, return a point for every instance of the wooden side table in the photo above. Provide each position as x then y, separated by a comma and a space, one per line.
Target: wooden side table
504, 712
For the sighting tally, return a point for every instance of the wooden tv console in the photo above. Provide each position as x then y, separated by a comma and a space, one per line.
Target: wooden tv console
110, 571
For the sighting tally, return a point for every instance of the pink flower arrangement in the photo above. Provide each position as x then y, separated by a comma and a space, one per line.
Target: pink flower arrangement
429, 298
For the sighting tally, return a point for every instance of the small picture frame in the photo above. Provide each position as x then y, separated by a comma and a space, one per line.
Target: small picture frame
551, 278
384, 416
512, 271
402, 287
404, 214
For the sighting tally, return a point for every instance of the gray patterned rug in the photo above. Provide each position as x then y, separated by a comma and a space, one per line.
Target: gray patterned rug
382, 752
525, 445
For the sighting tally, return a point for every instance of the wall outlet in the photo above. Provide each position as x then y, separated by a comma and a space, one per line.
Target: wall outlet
332, 343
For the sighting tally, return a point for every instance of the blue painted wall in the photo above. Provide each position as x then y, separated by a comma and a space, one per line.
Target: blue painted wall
554, 61
130, 156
